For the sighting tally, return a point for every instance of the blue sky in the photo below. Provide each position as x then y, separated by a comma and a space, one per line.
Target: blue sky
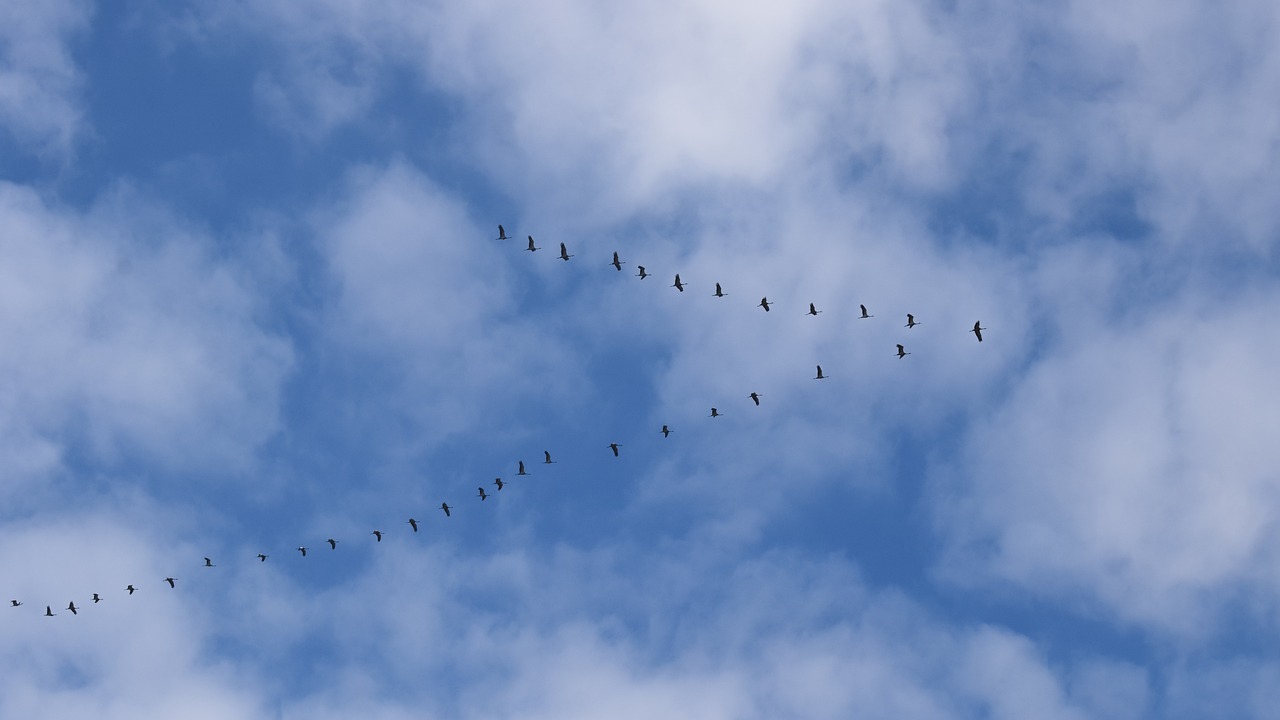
252, 299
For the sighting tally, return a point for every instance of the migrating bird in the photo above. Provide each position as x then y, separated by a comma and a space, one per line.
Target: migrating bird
502, 233
764, 303
48, 611
564, 253
522, 472
170, 581
377, 534
614, 447
677, 284
902, 352
262, 557
864, 312
483, 495
977, 329
715, 412
617, 264
302, 550
665, 431
813, 310
445, 508
719, 292
642, 274
911, 321
208, 563
499, 483
333, 544
820, 376
532, 247
130, 588
547, 455
413, 524
755, 397
96, 599
14, 603
72, 607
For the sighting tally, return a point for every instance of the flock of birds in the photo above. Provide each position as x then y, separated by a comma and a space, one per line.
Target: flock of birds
482, 494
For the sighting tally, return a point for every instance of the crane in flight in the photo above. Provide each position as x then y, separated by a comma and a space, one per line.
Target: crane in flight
719, 292
911, 321
902, 352
130, 588
764, 303
413, 524
755, 398
564, 253
820, 376
15, 603
532, 247
548, 460
483, 495
522, 472
813, 310
863, 308
677, 284
642, 274
262, 557
333, 544
666, 431
715, 413
209, 563
302, 549
502, 233
72, 607
977, 329
614, 447
377, 534
617, 264
499, 483
97, 598
170, 581
445, 507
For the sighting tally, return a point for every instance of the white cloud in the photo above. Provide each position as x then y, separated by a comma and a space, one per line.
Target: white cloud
39, 80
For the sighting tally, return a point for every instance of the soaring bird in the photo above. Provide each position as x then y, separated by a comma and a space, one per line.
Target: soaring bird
864, 312
642, 274
522, 472
208, 563
977, 329
764, 303
677, 284
911, 321
715, 412
445, 508
130, 588
483, 495
813, 310
170, 581
413, 524
617, 264
902, 352
377, 534
499, 483
755, 397
614, 447
262, 557
97, 598
564, 253
665, 431
48, 611
547, 457
72, 607
333, 544
302, 550
502, 233
14, 603
532, 247
820, 376
719, 292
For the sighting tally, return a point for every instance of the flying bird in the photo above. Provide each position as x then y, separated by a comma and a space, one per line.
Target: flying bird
902, 352
719, 292
642, 274
617, 264
333, 544
977, 330
677, 284
864, 312
547, 455
532, 247
614, 447
665, 431
502, 233
170, 581
813, 310
262, 557
48, 611
764, 303
445, 508
130, 588
755, 397
911, 321
14, 603
302, 550
820, 376
377, 534
72, 607
499, 483
208, 563
483, 495
564, 253
522, 472
96, 598
715, 412
413, 524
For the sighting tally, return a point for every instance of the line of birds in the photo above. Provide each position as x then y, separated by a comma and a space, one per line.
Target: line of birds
521, 471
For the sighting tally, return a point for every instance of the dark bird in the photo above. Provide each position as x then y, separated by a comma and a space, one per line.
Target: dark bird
522, 472
96, 599
499, 483
642, 274
532, 247
333, 544
483, 495
617, 264
614, 447
547, 457
208, 563
902, 352
564, 253
502, 233
302, 550
262, 557
820, 376
677, 284
413, 524
755, 397
715, 412
170, 581
377, 534
719, 292
764, 303
813, 310
445, 508
48, 611
977, 330
14, 603
665, 431
911, 321
72, 607
130, 588
864, 312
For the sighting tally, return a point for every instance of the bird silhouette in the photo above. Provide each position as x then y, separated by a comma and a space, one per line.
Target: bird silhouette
130, 588
715, 412
262, 557
170, 581
502, 233
499, 483
864, 312
614, 447
911, 321
764, 303
677, 284
719, 292
377, 534
97, 598
522, 472
665, 431
208, 563
902, 352
333, 544
977, 330
617, 264
483, 495
302, 550
755, 398
642, 274
820, 376
532, 247
72, 607
564, 253
813, 310
547, 458
14, 603
445, 508
413, 524
48, 611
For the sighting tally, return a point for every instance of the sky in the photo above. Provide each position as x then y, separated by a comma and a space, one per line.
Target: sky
253, 297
